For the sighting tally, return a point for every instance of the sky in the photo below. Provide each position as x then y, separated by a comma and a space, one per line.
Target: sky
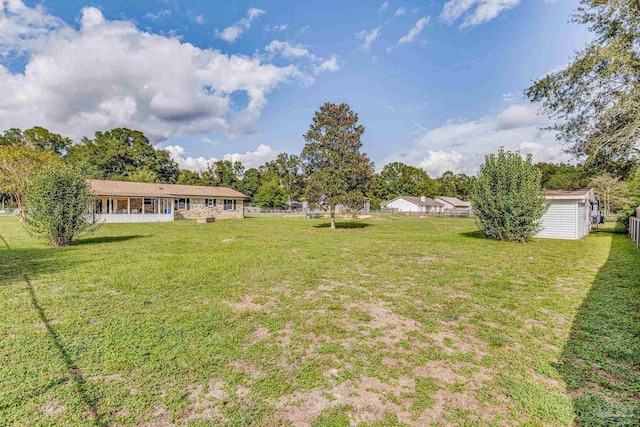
436, 84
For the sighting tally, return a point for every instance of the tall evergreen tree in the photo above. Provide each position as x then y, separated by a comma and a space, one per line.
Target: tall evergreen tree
335, 170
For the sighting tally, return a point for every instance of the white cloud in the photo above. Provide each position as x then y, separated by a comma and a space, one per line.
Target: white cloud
287, 50
368, 37
232, 32
460, 146
400, 11
519, 116
250, 159
510, 96
108, 74
328, 65
412, 34
280, 27
438, 162
474, 12
199, 19
384, 6
158, 15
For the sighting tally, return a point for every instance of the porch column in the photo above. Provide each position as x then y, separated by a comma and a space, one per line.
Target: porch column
109, 205
128, 205
143, 206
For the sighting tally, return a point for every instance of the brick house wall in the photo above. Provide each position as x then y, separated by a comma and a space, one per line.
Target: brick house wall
199, 209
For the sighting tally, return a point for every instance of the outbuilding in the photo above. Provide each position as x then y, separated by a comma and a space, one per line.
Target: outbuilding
410, 204
568, 215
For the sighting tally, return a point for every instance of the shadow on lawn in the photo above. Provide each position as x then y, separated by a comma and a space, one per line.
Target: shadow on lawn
601, 360
477, 234
106, 239
74, 372
344, 225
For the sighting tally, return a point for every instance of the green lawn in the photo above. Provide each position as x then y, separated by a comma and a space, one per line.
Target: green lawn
280, 321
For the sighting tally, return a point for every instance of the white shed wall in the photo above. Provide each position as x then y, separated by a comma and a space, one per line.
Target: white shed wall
561, 220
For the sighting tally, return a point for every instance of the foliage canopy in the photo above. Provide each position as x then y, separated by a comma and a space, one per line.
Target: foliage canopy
508, 204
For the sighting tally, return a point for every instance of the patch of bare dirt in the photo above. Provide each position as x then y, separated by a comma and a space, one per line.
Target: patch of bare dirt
107, 378
53, 408
226, 240
246, 368
156, 417
259, 333
246, 304
396, 327
205, 403
450, 343
426, 259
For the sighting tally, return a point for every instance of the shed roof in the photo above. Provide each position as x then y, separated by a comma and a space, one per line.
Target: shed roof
417, 201
569, 194
455, 201
145, 189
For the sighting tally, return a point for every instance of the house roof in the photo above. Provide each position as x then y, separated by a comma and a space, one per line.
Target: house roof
417, 201
569, 194
454, 201
145, 189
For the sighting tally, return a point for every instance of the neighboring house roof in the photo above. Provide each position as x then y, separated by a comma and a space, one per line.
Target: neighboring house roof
569, 194
417, 201
454, 201
145, 189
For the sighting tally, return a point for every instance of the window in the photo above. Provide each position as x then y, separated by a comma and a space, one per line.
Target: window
182, 204
229, 205
210, 203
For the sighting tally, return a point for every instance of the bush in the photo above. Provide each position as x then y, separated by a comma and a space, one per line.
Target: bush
623, 217
508, 203
59, 199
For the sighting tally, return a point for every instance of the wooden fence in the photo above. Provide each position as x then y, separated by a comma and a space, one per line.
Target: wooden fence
634, 229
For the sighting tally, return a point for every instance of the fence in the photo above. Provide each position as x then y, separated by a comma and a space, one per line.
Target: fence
634, 230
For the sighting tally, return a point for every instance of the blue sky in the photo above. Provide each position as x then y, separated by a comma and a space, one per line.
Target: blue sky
436, 84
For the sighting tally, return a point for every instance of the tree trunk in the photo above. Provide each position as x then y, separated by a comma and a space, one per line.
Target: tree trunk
333, 217
21, 206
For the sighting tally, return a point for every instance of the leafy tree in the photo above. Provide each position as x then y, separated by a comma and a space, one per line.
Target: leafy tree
37, 138
563, 175
188, 177
142, 175
612, 192
634, 188
59, 201
270, 195
251, 182
335, 170
447, 184
595, 100
223, 173
121, 152
19, 165
508, 203
399, 179
287, 168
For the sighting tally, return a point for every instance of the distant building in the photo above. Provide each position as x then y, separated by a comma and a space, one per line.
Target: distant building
124, 201
453, 203
414, 204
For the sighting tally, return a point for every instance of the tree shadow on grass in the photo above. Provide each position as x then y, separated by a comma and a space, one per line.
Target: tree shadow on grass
344, 225
106, 239
75, 374
601, 360
474, 234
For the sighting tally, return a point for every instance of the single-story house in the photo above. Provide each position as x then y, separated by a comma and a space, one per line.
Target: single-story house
413, 204
453, 203
124, 201
568, 215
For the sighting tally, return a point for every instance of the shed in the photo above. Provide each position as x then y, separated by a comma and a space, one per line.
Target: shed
569, 214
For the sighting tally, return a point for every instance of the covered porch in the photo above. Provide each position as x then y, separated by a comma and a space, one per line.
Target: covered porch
133, 209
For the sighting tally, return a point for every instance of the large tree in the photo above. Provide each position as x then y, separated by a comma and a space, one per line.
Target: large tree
335, 170
37, 138
399, 179
287, 168
19, 164
508, 203
612, 192
121, 152
595, 100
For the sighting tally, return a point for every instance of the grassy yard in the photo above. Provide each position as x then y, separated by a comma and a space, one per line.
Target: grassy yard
280, 321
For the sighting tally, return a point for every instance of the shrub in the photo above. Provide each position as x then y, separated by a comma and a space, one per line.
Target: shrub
508, 203
59, 199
